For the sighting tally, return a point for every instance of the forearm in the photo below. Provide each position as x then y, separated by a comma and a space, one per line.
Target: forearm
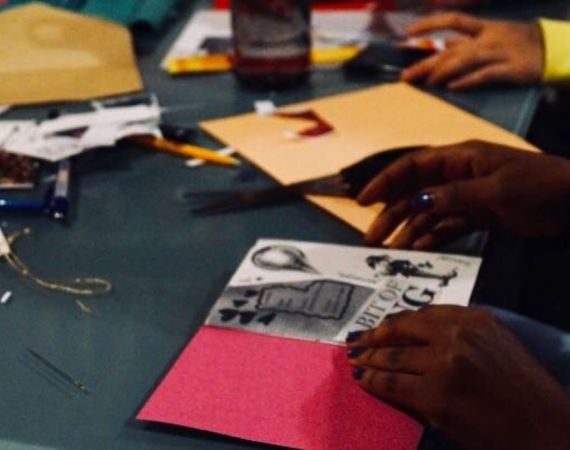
566, 190
551, 431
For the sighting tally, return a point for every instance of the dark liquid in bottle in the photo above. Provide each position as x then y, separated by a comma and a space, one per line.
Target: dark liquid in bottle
271, 42
272, 73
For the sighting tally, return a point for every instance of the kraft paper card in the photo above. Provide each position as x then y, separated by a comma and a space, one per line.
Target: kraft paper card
270, 363
50, 54
364, 122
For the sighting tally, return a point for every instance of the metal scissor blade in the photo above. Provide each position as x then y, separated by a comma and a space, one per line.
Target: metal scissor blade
348, 183
232, 200
243, 200
330, 185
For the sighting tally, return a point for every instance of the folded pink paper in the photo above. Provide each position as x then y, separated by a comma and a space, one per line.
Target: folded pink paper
277, 391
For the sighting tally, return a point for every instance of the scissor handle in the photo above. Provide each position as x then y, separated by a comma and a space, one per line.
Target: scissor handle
359, 174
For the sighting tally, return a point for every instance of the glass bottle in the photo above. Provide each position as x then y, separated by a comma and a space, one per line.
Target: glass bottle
271, 42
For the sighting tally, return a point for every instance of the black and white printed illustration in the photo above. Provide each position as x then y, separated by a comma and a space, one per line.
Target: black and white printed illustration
320, 292
314, 310
386, 265
282, 257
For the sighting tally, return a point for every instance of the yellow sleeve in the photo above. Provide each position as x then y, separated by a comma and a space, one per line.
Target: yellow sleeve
556, 34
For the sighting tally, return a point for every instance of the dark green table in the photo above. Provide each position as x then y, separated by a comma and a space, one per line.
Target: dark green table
167, 268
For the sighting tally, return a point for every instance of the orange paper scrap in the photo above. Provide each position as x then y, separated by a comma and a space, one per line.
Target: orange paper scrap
365, 122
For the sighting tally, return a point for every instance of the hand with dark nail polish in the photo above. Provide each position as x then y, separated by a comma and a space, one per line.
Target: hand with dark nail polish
463, 372
358, 373
353, 336
354, 353
441, 193
422, 201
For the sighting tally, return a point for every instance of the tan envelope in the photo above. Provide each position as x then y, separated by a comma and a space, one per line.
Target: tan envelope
49, 54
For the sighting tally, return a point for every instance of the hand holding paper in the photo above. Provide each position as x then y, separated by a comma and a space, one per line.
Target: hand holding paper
447, 191
469, 377
364, 122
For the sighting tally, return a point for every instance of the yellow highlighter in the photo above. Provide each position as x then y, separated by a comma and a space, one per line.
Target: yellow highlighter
187, 150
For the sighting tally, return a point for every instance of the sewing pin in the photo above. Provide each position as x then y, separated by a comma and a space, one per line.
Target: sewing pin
63, 375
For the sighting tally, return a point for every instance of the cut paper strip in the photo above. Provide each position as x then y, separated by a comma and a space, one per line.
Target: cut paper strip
276, 391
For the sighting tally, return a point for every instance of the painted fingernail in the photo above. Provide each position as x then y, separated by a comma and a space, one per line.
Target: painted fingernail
353, 336
355, 352
358, 373
423, 201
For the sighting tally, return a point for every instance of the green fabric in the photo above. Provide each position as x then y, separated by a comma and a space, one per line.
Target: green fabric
128, 12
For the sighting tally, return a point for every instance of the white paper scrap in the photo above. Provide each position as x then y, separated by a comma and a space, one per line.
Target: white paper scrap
106, 116
4, 246
265, 107
6, 298
9, 127
68, 135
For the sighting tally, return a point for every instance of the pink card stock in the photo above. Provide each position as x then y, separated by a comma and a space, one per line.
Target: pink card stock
278, 391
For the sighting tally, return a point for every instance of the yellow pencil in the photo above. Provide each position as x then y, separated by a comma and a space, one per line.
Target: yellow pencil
187, 150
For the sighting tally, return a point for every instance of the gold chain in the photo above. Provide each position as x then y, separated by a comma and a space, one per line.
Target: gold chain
90, 286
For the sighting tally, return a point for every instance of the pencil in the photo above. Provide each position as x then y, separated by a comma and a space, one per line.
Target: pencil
187, 150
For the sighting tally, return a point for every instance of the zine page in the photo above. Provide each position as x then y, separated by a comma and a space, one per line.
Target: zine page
267, 366
321, 292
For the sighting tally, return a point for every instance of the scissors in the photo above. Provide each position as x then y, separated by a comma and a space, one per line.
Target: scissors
348, 182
